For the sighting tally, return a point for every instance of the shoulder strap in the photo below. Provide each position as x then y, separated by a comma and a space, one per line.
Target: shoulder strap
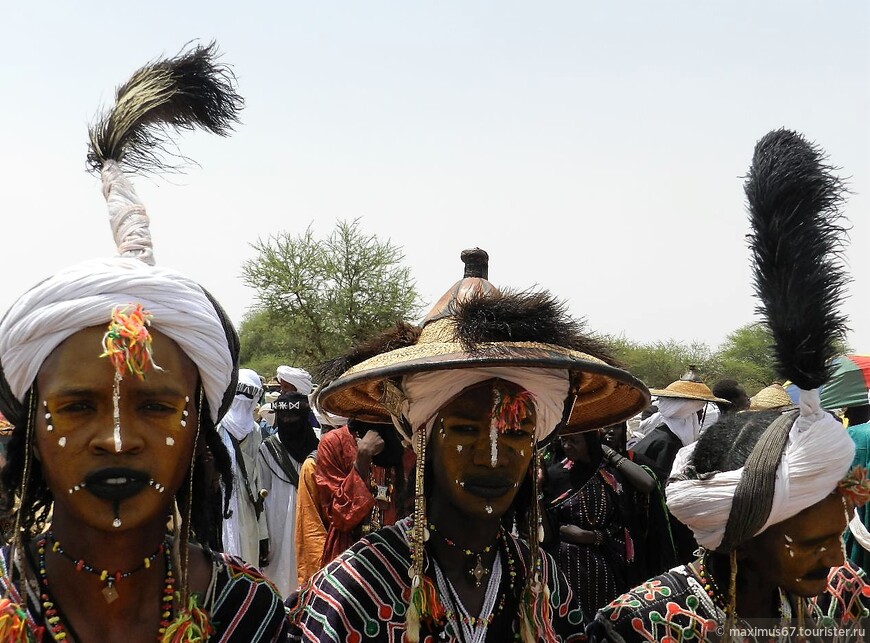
280, 456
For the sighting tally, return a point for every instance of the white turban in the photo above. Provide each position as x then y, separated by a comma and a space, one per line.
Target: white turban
298, 377
85, 294
239, 420
818, 454
681, 416
427, 393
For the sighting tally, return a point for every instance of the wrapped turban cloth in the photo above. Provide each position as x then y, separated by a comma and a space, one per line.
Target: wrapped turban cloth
239, 420
297, 377
84, 295
427, 393
817, 454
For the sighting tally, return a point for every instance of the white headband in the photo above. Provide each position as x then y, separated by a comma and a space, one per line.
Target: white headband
818, 455
83, 295
427, 393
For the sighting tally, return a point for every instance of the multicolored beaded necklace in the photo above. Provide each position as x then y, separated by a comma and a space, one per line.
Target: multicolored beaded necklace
110, 592
454, 616
708, 583
52, 615
474, 568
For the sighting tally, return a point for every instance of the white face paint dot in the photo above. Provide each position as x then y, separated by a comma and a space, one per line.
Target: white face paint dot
458, 448
522, 452
61, 441
170, 440
183, 423
49, 428
488, 509
116, 523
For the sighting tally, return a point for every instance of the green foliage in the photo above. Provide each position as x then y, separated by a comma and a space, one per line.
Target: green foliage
745, 356
317, 297
660, 363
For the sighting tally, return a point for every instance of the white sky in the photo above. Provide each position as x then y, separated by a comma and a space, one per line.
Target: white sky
592, 148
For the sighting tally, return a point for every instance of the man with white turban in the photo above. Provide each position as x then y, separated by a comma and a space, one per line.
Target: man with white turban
245, 528
766, 494
114, 373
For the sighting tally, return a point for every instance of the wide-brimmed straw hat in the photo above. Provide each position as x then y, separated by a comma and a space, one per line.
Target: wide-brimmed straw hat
475, 325
770, 398
688, 389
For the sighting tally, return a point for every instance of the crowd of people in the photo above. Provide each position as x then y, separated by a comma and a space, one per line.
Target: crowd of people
469, 478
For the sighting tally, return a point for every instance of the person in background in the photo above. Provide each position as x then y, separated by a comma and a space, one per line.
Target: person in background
858, 427
244, 529
361, 476
278, 466
772, 398
730, 390
589, 505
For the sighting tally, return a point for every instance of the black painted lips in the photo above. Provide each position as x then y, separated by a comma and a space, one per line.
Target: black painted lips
116, 483
488, 486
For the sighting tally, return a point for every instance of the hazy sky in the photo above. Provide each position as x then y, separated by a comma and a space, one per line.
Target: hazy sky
595, 149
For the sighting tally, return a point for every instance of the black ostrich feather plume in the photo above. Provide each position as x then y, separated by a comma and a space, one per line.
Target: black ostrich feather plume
182, 93
399, 336
796, 242
521, 317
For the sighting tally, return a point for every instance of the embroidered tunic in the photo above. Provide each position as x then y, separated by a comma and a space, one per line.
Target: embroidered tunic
243, 606
675, 607
363, 595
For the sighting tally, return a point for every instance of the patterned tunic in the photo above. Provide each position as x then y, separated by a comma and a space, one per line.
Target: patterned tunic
674, 607
244, 607
596, 573
363, 595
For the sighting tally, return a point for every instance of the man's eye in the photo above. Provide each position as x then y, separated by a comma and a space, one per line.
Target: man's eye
74, 407
463, 428
514, 433
159, 407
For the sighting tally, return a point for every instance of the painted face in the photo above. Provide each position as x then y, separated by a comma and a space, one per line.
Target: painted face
479, 477
90, 479
797, 554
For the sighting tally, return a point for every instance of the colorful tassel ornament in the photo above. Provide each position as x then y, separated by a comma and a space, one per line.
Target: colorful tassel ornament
127, 342
13, 624
855, 487
192, 625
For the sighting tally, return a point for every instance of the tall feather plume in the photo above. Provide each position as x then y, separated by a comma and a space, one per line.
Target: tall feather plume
796, 243
188, 91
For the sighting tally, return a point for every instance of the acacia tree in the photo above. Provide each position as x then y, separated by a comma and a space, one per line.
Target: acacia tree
317, 297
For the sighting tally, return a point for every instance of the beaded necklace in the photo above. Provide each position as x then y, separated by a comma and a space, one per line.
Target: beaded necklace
380, 492
474, 569
110, 592
708, 583
465, 626
52, 616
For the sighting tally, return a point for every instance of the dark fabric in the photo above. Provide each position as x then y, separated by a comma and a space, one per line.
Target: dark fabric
603, 504
658, 451
363, 595
288, 472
